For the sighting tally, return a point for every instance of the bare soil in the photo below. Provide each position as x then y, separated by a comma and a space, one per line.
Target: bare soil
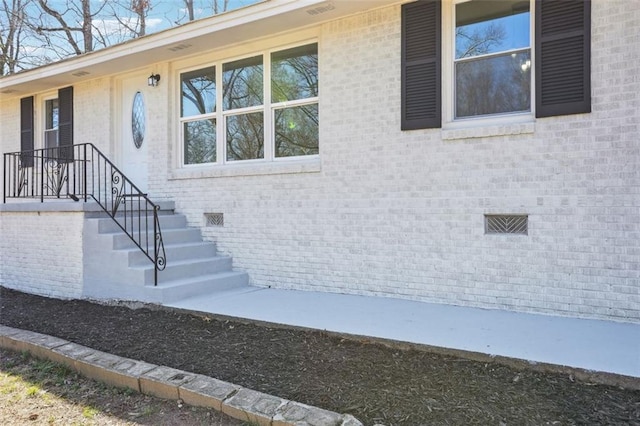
375, 382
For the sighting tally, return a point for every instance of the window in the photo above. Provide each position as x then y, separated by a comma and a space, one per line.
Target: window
294, 80
58, 127
198, 108
491, 57
266, 108
243, 86
51, 122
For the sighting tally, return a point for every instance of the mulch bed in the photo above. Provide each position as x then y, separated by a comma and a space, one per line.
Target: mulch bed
377, 383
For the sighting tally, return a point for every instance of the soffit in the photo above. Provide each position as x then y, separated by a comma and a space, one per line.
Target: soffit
231, 28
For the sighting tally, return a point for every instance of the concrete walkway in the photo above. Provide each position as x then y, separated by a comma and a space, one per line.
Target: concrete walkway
601, 346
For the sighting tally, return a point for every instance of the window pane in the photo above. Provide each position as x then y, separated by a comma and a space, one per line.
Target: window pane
296, 131
294, 73
200, 141
490, 26
243, 85
493, 85
245, 136
198, 92
52, 114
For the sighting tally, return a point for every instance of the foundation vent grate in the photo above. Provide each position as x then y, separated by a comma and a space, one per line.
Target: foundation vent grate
214, 219
506, 224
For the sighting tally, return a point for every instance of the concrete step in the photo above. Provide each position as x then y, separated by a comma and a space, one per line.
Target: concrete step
183, 269
169, 236
109, 225
176, 252
119, 269
167, 292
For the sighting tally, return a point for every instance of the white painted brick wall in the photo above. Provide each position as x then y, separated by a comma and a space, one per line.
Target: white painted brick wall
401, 213
93, 107
42, 253
10, 127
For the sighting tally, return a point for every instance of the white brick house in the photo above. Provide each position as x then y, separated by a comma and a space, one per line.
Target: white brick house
394, 194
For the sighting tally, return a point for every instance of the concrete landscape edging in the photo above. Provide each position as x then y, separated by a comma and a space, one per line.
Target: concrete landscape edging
170, 383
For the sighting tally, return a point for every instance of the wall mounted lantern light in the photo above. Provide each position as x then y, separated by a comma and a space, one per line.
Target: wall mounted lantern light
153, 80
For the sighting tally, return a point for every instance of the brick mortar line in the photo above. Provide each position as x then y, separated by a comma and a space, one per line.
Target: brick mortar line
170, 383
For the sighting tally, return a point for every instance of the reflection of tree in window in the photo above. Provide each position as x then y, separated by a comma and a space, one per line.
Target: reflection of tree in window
199, 99
478, 41
199, 92
52, 119
493, 86
243, 87
245, 136
294, 76
200, 141
293, 107
493, 58
242, 83
297, 131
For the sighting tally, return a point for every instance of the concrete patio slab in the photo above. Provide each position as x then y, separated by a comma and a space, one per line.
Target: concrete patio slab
600, 346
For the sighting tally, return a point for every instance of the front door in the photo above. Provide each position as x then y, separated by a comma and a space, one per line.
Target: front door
134, 149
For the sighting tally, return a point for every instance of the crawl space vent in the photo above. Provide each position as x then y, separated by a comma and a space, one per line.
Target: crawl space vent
214, 219
506, 224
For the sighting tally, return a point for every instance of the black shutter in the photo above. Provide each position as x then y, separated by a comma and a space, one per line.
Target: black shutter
26, 131
421, 87
65, 123
563, 57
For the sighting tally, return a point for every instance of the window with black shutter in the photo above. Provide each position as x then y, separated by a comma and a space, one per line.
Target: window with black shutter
488, 74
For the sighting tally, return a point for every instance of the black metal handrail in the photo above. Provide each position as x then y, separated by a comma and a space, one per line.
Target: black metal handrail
83, 172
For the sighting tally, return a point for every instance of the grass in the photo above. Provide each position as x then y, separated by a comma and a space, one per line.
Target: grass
38, 391
89, 412
32, 391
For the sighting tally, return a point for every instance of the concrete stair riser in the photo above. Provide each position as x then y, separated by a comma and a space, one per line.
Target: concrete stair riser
183, 289
175, 252
135, 223
185, 268
169, 236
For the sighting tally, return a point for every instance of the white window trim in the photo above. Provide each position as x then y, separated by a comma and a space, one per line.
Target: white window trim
482, 126
244, 167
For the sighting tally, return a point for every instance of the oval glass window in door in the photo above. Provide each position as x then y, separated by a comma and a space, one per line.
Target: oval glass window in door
137, 120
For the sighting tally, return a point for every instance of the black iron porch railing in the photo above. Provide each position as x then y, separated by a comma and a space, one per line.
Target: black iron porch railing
83, 172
